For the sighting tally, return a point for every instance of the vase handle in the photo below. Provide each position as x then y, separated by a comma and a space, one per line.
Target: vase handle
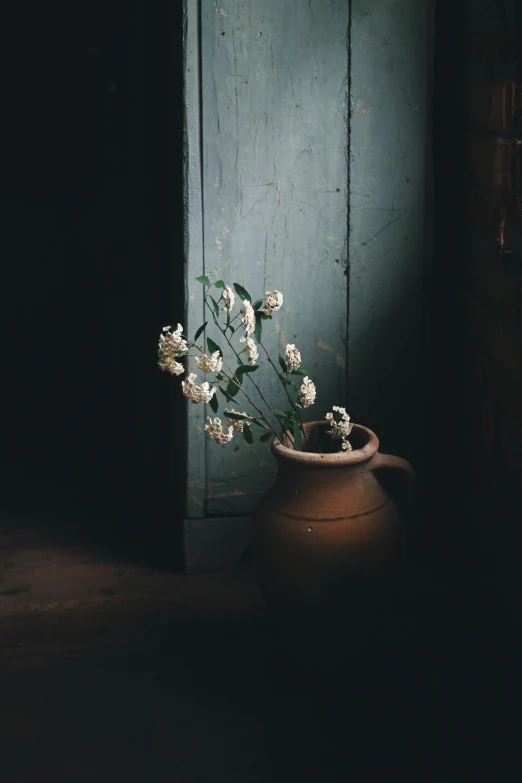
408, 480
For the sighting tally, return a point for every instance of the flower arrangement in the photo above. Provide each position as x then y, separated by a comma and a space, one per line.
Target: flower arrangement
285, 425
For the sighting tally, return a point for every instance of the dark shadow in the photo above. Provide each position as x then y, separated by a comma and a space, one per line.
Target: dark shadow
93, 248
236, 698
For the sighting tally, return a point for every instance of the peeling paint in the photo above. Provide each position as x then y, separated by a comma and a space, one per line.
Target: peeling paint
325, 347
359, 106
235, 494
280, 144
340, 361
223, 13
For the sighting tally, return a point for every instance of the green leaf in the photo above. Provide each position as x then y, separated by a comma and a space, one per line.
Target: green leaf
247, 434
220, 377
279, 413
216, 307
200, 330
264, 316
247, 368
232, 389
258, 331
242, 292
261, 423
203, 280
226, 395
213, 347
298, 438
214, 404
219, 284
299, 372
257, 305
282, 364
266, 436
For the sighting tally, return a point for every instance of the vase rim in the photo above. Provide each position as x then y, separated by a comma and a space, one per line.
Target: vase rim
339, 459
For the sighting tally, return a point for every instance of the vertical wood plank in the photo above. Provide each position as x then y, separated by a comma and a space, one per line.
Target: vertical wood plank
194, 266
390, 57
274, 80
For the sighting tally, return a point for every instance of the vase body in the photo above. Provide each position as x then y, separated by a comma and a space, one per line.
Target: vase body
327, 535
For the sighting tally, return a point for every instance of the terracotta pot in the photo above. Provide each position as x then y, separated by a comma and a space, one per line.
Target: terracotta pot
327, 534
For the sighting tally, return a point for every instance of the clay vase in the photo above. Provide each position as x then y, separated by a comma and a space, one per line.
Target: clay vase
327, 536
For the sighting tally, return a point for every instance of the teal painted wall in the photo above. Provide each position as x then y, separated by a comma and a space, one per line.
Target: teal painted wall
305, 154
391, 53
268, 203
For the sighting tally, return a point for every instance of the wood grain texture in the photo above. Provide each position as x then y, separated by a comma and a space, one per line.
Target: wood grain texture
390, 64
196, 439
274, 122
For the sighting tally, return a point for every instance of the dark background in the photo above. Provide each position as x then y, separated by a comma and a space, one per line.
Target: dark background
92, 247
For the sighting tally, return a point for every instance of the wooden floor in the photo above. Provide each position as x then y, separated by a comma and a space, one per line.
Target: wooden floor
117, 672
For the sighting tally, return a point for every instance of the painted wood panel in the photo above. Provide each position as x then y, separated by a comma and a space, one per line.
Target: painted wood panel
274, 178
193, 249
391, 52
304, 118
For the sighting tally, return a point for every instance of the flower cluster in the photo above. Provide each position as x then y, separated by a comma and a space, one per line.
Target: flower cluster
214, 430
340, 426
238, 424
293, 357
171, 344
274, 301
248, 321
229, 297
307, 393
231, 382
195, 393
252, 351
212, 363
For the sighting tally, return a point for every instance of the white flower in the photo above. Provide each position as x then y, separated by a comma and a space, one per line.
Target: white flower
274, 300
237, 424
252, 351
195, 393
214, 430
307, 393
212, 363
249, 320
229, 297
171, 365
293, 357
174, 339
170, 344
340, 426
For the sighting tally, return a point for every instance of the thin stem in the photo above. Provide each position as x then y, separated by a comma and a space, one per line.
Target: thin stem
237, 357
294, 406
232, 320
239, 386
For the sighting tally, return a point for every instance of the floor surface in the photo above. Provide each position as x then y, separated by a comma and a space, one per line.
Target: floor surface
113, 671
